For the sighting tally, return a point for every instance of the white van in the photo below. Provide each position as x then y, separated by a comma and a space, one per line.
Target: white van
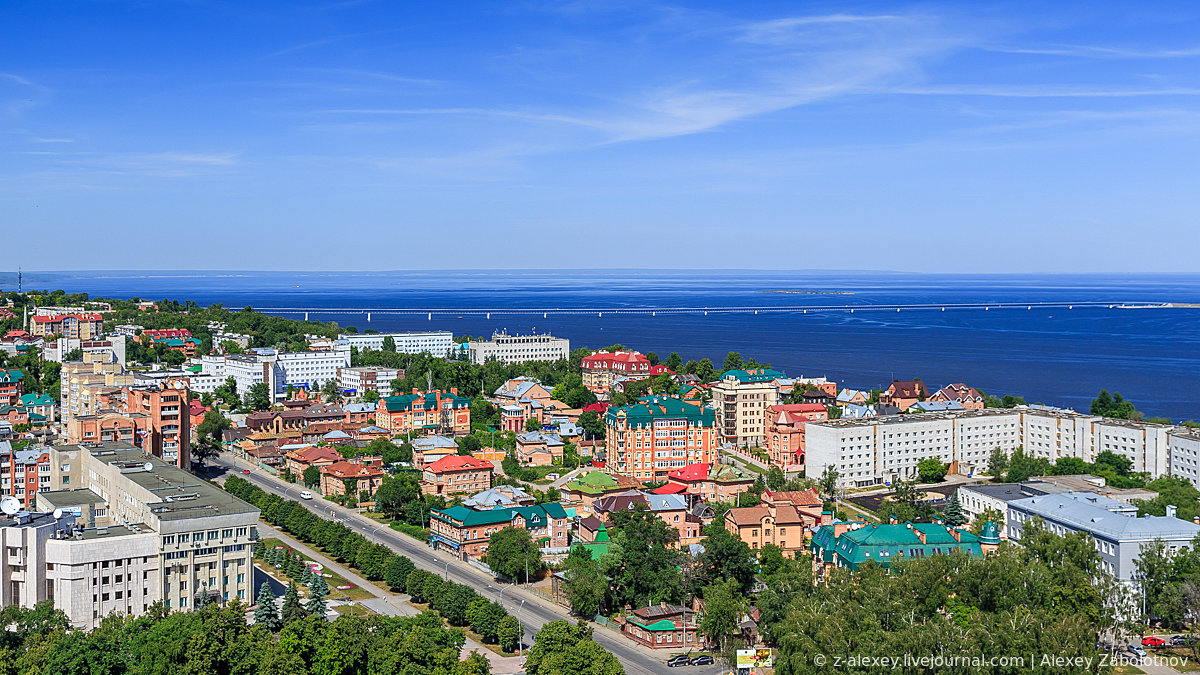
306, 495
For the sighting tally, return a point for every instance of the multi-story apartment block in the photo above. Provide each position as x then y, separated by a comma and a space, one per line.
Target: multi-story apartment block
360, 379
134, 530
279, 370
455, 474
436, 412
12, 385
660, 434
24, 472
83, 386
77, 326
150, 417
741, 399
507, 348
466, 531
879, 449
601, 369
434, 342
1183, 454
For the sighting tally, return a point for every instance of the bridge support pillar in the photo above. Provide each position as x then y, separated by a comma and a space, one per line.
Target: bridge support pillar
306, 316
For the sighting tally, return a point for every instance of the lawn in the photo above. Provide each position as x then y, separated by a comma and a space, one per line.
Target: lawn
354, 593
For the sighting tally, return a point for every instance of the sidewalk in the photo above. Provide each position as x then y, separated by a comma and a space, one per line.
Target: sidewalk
389, 603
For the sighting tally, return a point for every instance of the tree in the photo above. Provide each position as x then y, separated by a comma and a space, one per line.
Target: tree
560, 648
1114, 405
593, 426
953, 512
455, 602
331, 392
586, 585
370, 396
673, 362
931, 470
725, 557
265, 614
987, 515
228, 393
484, 617
723, 609
641, 562
775, 478
1118, 464
311, 475
389, 344
211, 426
469, 445
733, 361
292, 609
317, 592
259, 396
532, 424
395, 493
1022, 466
828, 481
771, 559
508, 633
397, 573
997, 463
512, 553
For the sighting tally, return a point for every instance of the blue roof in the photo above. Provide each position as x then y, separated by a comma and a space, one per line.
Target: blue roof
935, 406
1095, 514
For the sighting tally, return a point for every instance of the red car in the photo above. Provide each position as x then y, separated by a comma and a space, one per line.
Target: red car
1152, 641
245, 470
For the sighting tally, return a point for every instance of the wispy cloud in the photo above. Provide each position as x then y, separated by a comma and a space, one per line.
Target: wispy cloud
52, 140
1097, 52
1038, 92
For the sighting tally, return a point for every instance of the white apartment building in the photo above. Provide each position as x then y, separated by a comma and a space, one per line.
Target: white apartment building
436, 342
881, 449
1183, 454
133, 530
362, 379
507, 348
277, 369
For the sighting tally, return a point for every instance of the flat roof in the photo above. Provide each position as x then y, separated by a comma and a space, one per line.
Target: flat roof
76, 497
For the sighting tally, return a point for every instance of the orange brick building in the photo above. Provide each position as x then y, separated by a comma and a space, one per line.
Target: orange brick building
437, 412
785, 432
78, 326
456, 474
660, 434
361, 474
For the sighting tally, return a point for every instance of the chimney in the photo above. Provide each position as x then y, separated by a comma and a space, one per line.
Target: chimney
1196, 520
892, 520
956, 533
454, 390
920, 534
415, 391
1170, 510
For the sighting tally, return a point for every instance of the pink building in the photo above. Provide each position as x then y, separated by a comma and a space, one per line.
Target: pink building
785, 432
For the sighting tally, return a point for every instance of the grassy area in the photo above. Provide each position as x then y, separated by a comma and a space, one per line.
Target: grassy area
354, 593
1126, 669
352, 610
1184, 660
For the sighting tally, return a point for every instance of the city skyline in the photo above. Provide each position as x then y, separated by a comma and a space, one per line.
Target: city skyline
915, 137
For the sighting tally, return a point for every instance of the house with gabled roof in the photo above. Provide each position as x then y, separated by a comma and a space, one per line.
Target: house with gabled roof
298, 460
466, 532
785, 432
969, 398
904, 393
711, 482
847, 397
457, 474
884, 544
663, 626
594, 485
539, 449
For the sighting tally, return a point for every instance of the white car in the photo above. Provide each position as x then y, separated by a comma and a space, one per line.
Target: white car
306, 495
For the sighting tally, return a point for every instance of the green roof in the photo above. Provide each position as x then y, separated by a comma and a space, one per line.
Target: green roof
472, 517
756, 375
661, 624
36, 399
592, 482
662, 407
13, 375
882, 543
597, 548
423, 401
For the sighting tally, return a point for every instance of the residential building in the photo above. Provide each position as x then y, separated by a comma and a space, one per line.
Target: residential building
507, 348
853, 545
356, 477
785, 432
741, 399
436, 343
903, 394
149, 417
456, 474
1119, 537
356, 381
430, 449
500, 496
297, 461
521, 389
782, 525
18, 342
278, 370
466, 531
12, 385
84, 388
151, 532
79, 326
592, 486
711, 482
663, 626
601, 369
437, 411
847, 397
658, 435
24, 472
539, 449
957, 392
1183, 453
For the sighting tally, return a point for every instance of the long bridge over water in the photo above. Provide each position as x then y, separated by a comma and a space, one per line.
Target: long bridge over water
601, 312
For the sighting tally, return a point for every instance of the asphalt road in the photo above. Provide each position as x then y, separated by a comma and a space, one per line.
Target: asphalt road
532, 610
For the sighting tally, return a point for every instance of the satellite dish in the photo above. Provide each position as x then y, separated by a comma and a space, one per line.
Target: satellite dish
9, 505
149, 466
57, 514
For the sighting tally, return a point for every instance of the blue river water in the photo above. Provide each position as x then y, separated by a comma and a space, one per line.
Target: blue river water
1057, 356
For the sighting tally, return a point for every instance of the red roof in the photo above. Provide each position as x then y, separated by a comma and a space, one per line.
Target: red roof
168, 333
351, 470
624, 361
60, 317
697, 471
660, 369
669, 489
459, 463
316, 453
596, 408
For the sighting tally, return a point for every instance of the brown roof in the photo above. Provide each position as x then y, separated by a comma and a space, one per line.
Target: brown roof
795, 497
351, 470
753, 515
591, 524
908, 389
314, 454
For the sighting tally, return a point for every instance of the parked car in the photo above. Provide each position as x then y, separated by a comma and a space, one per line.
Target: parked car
1136, 650
246, 471
702, 660
305, 494
1183, 640
1153, 641
681, 660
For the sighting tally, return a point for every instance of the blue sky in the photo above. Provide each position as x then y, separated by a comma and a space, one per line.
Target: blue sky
963, 137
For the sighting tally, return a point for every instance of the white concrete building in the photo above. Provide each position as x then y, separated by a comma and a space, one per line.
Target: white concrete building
277, 369
356, 381
1183, 454
507, 348
435, 342
880, 449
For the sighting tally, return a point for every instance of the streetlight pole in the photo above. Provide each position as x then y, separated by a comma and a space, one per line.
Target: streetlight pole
520, 630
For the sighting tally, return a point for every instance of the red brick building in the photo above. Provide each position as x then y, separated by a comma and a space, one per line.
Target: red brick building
602, 368
362, 474
785, 432
903, 394
24, 472
456, 474
968, 397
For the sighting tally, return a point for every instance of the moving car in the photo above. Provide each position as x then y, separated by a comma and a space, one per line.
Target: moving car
305, 495
681, 660
702, 660
1153, 641
1134, 649
246, 471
